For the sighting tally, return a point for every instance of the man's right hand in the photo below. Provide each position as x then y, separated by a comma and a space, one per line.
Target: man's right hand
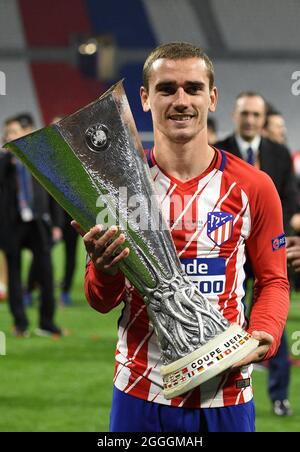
101, 247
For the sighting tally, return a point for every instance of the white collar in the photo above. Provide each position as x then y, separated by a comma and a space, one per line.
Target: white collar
245, 145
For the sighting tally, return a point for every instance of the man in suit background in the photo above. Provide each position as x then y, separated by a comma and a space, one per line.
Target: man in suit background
275, 130
248, 143
26, 222
70, 238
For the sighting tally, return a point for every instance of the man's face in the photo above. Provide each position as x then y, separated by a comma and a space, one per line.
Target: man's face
276, 129
179, 98
249, 116
12, 131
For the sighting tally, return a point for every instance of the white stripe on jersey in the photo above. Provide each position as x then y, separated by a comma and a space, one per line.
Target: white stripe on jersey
122, 376
212, 392
162, 186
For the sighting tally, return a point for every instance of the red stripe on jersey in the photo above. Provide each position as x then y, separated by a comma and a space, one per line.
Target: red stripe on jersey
137, 340
231, 393
138, 384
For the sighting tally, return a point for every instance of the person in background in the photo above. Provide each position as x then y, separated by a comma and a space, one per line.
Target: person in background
275, 128
70, 239
27, 223
211, 131
3, 277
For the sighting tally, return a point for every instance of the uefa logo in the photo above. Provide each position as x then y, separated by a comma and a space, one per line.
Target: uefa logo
97, 138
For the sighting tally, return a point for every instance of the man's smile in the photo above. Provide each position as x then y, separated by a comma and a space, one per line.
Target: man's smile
180, 117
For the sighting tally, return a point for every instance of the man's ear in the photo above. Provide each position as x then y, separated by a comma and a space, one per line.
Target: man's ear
213, 99
145, 99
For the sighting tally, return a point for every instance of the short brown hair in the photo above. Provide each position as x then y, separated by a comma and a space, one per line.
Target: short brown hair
177, 51
250, 94
24, 119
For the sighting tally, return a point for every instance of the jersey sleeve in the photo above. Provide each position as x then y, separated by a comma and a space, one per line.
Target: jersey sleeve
103, 292
267, 253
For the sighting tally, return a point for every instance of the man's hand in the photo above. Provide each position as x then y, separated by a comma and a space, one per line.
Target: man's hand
293, 252
56, 234
265, 342
295, 222
102, 248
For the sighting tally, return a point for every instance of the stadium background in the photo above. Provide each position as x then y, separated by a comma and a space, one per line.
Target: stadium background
57, 56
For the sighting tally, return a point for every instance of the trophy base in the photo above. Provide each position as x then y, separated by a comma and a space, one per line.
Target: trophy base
207, 361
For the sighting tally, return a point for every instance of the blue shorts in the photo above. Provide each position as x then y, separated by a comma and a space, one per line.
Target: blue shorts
130, 414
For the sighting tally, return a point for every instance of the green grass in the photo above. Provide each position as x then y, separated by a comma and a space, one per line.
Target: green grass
265, 421
59, 385
66, 384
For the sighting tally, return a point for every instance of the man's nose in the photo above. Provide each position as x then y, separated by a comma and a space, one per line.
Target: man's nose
181, 99
251, 118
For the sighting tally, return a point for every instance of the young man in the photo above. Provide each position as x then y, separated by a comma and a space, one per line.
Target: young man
179, 92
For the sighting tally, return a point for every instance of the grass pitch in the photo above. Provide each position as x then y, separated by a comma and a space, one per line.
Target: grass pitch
66, 384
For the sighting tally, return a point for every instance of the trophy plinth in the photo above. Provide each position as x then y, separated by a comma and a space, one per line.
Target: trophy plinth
207, 361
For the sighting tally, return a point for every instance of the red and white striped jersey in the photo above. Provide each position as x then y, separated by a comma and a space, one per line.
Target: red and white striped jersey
215, 218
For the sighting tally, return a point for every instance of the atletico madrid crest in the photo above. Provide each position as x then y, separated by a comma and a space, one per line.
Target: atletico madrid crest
219, 226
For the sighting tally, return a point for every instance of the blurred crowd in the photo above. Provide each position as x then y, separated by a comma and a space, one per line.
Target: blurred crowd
31, 220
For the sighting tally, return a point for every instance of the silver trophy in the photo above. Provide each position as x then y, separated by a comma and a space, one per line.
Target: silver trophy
85, 161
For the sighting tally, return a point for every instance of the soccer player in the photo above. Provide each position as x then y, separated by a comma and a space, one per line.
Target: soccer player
178, 89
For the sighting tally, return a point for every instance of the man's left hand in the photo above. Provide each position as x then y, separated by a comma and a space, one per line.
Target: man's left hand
265, 342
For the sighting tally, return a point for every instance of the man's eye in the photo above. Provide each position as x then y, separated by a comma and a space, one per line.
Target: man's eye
167, 90
193, 90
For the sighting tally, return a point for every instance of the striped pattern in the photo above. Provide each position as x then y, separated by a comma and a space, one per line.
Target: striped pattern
137, 356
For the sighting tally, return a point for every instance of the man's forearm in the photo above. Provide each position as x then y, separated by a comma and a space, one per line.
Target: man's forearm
103, 291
